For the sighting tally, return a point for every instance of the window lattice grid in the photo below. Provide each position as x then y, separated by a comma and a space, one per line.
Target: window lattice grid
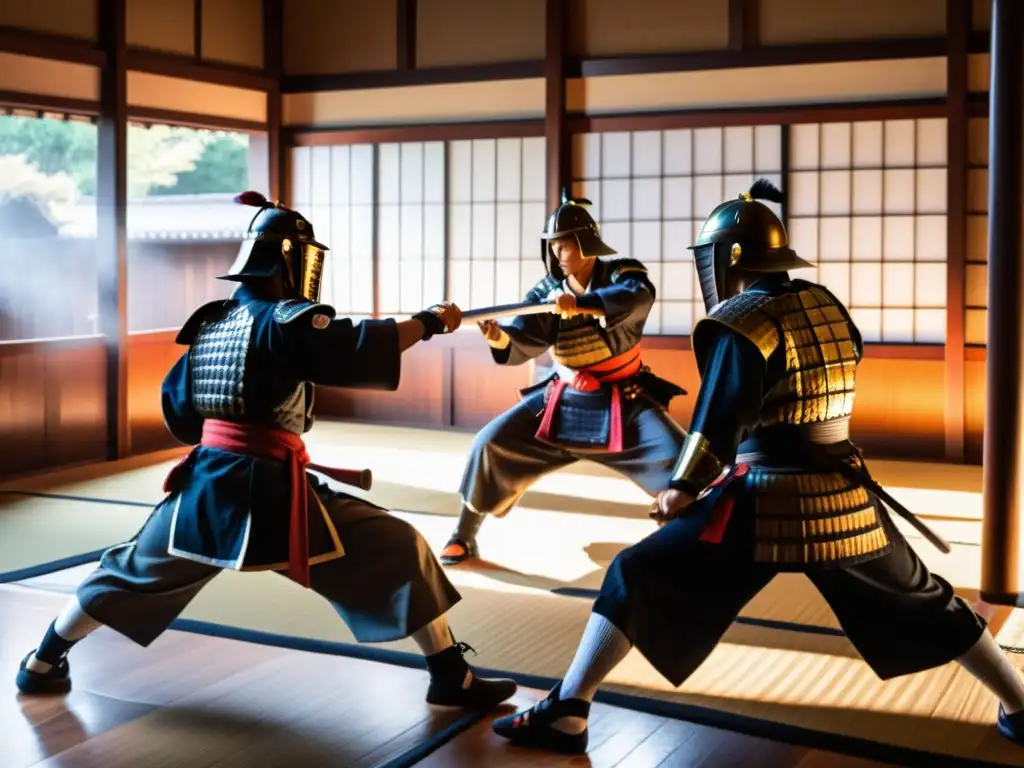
867, 205
976, 288
652, 190
496, 212
411, 214
334, 188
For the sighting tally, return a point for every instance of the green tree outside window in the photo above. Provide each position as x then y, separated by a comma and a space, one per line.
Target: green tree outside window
53, 161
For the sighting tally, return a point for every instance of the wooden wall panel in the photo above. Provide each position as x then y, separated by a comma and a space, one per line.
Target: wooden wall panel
22, 408
419, 401
981, 14
899, 408
150, 357
74, 18
898, 413
813, 21
52, 404
163, 25
679, 367
759, 86
178, 95
328, 37
978, 65
485, 32
481, 389
76, 391
418, 104
233, 32
45, 77
614, 27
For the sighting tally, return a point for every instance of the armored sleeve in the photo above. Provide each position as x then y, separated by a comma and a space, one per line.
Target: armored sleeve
180, 417
627, 298
728, 405
336, 352
527, 336
738, 349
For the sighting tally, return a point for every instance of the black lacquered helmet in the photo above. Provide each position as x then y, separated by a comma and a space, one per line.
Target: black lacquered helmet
571, 219
742, 234
279, 239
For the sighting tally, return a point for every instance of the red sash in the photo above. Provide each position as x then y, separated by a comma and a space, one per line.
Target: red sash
275, 445
715, 528
590, 379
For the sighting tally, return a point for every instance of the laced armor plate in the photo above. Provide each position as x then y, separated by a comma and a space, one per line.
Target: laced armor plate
217, 358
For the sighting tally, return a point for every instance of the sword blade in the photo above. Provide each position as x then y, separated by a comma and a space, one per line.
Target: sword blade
507, 310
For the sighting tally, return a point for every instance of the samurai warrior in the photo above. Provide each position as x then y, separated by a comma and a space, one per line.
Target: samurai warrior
601, 403
768, 481
243, 499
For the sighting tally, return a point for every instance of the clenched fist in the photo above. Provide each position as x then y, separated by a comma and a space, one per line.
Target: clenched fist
565, 306
440, 318
450, 315
490, 329
669, 504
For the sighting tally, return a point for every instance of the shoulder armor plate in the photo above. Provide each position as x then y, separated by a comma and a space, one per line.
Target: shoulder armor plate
292, 309
750, 315
541, 290
624, 266
188, 331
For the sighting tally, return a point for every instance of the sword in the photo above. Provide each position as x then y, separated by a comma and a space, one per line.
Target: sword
515, 310
863, 478
860, 476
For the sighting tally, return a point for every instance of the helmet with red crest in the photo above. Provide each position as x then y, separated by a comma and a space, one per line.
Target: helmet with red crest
279, 241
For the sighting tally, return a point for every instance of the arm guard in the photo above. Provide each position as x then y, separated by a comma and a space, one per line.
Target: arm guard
697, 467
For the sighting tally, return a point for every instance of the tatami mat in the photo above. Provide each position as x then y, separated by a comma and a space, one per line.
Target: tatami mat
567, 531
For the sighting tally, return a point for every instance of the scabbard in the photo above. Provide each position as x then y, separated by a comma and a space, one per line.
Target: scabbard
862, 478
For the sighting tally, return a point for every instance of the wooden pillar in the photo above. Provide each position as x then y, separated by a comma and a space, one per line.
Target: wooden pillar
1003, 470
406, 31
273, 63
197, 30
743, 24
557, 139
958, 25
112, 215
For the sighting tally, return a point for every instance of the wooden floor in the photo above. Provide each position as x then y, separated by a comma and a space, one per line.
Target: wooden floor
191, 700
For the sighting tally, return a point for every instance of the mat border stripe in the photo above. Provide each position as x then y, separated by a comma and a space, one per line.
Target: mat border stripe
673, 710
790, 734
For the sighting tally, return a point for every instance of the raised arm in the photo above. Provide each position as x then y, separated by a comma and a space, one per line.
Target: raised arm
525, 337
336, 352
627, 298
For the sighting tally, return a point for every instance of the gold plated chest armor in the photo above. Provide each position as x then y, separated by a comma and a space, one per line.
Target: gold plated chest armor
821, 359
806, 518
580, 343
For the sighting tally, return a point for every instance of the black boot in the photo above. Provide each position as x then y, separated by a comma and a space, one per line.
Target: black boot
53, 651
532, 727
462, 545
448, 674
1011, 726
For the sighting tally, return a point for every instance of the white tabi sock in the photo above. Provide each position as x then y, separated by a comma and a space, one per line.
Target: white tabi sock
72, 625
988, 662
601, 648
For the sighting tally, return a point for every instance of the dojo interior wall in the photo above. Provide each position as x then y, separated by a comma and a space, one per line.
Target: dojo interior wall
442, 104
